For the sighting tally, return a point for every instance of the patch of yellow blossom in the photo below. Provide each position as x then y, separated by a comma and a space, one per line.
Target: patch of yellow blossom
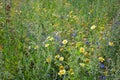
57, 56
46, 45
93, 27
64, 42
82, 50
61, 58
111, 44
101, 59
62, 72
82, 64
71, 71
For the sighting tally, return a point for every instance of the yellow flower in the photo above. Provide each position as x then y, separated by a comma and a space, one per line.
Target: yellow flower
48, 60
82, 64
61, 58
86, 54
82, 50
57, 56
101, 59
93, 27
64, 42
51, 39
61, 67
111, 43
71, 71
87, 60
62, 72
46, 45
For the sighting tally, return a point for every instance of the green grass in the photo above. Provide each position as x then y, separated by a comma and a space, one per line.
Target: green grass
26, 26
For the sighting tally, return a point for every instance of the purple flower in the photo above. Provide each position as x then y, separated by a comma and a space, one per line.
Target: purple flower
102, 66
87, 42
102, 77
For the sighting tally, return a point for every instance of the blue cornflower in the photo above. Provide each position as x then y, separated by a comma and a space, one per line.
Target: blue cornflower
87, 42
102, 66
102, 77
74, 34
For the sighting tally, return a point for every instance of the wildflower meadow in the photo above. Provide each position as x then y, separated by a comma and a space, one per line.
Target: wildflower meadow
59, 39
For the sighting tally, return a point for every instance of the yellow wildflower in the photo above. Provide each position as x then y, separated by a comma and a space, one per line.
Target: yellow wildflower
71, 71
93, 27
48, 60
82, 50
87, 60
62, 72
57, 56
51, 39
46, 45
101, 59
111, 44
61, 58
82, 64
64, 42
61, 67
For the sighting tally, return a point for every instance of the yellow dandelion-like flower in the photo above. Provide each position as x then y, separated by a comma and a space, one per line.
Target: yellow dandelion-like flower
111, 44
61, 58
71, 71
82, 64
93, 27
64, 42
82, 50
62, 72
101, 59
61, 67
51, 39
87, 60
46, 45
57, 56
48, 60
